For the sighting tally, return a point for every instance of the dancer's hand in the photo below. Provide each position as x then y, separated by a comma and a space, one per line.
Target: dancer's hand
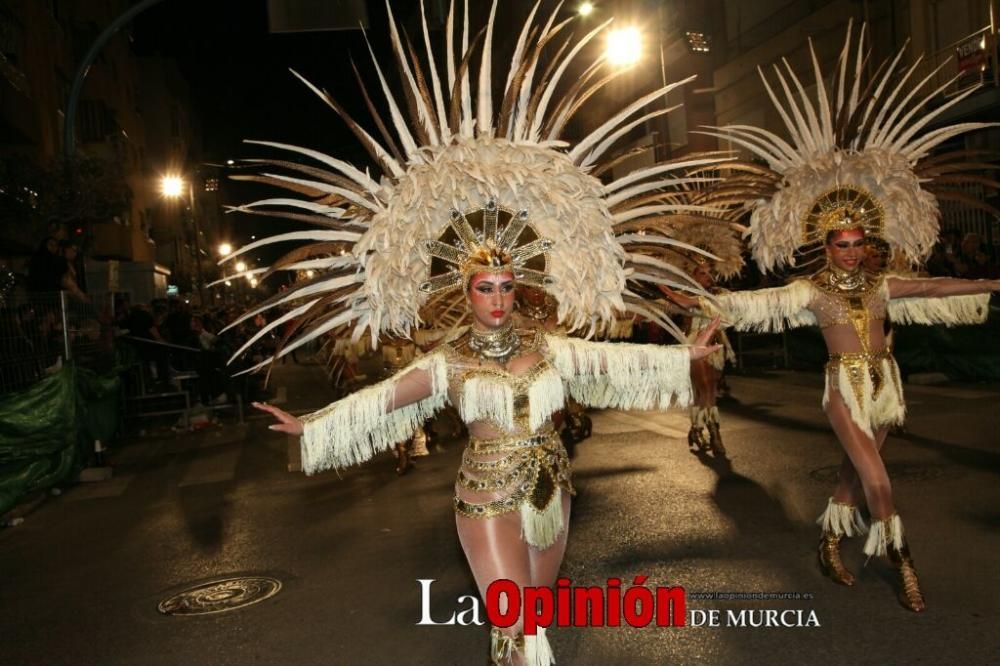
287, 423
701, 347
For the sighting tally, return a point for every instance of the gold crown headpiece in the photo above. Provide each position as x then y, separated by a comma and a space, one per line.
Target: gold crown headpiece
840, 209
490, 239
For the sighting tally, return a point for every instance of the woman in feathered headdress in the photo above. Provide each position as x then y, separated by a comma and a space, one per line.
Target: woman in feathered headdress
472, 203
857, 165
723, 259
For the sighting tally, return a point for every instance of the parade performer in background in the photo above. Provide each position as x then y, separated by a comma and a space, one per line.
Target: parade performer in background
858, 165
720, 238
473, 201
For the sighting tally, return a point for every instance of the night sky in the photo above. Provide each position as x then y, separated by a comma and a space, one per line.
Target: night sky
238, 71
241, 86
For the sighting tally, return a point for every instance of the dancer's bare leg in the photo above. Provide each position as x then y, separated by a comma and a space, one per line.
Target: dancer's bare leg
704, 379
863, 453
495, 550
545, 564
849, 490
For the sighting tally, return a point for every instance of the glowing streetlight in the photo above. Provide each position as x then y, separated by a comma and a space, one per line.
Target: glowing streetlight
240, 266
172, 186
225, 249
624, 47
253, 282
585, 8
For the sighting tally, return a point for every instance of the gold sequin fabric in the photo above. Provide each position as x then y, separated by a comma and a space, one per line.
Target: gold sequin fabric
507, 462
499, 475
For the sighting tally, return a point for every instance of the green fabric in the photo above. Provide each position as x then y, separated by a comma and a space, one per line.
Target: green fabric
47, 431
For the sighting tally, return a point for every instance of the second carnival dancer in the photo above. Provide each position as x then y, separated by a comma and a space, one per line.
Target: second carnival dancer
858, 165
474, 200
719, 238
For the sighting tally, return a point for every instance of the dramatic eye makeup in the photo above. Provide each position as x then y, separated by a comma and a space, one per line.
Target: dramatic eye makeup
485, 287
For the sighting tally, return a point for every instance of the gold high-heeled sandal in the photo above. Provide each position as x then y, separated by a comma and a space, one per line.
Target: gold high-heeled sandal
830, 562
910, 595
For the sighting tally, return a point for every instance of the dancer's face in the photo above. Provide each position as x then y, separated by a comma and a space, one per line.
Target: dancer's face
491, 298
846, 249
703, 276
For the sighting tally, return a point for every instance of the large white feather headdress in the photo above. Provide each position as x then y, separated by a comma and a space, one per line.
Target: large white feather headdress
449, 150
863, 148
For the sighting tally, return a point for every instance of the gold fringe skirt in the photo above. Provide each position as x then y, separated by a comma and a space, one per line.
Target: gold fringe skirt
869, 384
525, 474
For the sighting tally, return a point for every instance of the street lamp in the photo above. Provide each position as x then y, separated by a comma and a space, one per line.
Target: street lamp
624, 47
225, 249
172, 186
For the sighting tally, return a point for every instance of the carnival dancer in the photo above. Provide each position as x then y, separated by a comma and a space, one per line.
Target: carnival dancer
858, 165
474, 201
723, 260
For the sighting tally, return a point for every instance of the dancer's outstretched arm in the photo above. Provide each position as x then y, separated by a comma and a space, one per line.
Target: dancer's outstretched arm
763, 310
628, 376
354, 429
948, 301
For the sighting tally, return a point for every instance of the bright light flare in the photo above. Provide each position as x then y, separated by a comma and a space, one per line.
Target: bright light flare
241, 266
253, 282
310, 274
624, 47
225, 249
585, 9
172, 186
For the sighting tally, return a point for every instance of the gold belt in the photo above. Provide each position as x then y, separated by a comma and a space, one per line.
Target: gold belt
859, 357
857, 365
505, 444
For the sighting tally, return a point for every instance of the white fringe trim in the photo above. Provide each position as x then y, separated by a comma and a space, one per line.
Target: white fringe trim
870, 414
842, 520
949, 310
546, 396
355, 429
540, 529
765, 310
883, 533
622, 376
537, 651
486, 399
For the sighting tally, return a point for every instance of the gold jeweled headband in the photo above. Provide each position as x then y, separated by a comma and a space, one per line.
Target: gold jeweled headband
843, 208
492, 248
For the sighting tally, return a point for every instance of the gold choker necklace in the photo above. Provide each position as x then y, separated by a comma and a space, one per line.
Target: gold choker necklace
837, 279
496, 345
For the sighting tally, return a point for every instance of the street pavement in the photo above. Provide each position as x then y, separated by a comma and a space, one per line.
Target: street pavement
82, 576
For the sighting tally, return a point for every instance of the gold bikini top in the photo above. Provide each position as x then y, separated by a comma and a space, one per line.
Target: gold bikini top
489, 392
857, 303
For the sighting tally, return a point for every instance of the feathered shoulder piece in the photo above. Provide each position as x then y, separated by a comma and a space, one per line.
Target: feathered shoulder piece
457, 147
858, 155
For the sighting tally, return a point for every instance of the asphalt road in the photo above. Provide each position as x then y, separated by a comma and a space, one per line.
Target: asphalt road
83, 575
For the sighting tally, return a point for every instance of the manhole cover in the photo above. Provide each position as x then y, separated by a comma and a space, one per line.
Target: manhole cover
221, 596
897, 472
